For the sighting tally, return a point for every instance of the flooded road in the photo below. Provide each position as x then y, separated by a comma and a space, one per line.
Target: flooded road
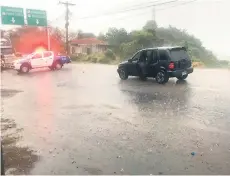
84, 120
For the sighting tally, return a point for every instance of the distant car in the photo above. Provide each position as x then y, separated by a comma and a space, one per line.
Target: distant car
162, 64
39, 60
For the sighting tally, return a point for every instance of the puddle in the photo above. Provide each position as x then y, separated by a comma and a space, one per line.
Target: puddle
9, 92
17, 159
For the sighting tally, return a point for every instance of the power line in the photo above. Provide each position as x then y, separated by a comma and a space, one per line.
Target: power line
127, 5
138, 14
141, 4
154, 13
129, 16
188, 2
128, 10
56, 19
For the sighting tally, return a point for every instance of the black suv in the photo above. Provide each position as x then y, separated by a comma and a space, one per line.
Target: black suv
160, 63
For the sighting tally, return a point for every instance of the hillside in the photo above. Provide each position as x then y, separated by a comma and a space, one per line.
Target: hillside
124, 43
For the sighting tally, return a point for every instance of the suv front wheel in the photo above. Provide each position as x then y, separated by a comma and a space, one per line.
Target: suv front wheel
123, 74
162, 77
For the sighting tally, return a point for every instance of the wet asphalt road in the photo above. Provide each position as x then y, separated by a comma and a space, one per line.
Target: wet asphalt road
84, 120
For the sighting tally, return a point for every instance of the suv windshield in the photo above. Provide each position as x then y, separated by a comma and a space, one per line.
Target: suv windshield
178, 54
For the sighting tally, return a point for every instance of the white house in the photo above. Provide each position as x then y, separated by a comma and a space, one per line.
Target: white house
87, 46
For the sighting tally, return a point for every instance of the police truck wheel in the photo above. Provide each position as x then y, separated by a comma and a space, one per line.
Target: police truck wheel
58, 66
25, 68
51, 68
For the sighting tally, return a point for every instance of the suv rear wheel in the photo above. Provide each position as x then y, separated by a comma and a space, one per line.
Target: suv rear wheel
162, 77
182, 77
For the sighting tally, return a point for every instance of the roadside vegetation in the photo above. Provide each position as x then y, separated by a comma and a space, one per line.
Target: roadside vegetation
123, 44
108, 57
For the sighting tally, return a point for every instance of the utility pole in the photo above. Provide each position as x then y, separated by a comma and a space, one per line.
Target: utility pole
67, 4
154, 20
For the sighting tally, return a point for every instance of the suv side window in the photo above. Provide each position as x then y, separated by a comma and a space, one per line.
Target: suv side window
163, 55
47, 54
154, 57
37, 56
149, 54
136, 56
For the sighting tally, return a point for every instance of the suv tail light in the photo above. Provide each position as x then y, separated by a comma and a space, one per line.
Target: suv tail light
171, 66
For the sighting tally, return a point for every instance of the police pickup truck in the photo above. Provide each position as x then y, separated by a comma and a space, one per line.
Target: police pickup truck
40, 60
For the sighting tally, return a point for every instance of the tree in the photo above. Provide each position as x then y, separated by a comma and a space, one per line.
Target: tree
150, 25
128, 49
143, 38
115, 36
85, 35
102, 37
73, 35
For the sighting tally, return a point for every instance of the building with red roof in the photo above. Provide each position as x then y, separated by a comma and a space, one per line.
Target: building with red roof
87, 46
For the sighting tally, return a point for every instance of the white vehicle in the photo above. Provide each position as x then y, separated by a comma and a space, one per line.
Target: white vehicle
39, 60
7, 53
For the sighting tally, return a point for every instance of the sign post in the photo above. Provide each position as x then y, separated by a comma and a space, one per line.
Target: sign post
36, 17
12, 15
48, 37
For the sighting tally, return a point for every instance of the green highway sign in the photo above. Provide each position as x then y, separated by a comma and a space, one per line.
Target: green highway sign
12, 15
36, 17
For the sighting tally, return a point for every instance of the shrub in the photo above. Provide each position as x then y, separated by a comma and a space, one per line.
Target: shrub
110, 54
95, 57
74, 57
78, 57
104, 60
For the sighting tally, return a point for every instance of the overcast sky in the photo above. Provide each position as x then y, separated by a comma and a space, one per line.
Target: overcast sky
208, 20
